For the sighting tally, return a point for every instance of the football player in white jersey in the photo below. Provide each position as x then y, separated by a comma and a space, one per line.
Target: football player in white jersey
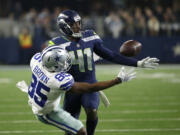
50, 81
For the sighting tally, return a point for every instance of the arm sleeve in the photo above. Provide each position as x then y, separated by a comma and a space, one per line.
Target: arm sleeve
35, 57
109, 55
67, 82
67, 85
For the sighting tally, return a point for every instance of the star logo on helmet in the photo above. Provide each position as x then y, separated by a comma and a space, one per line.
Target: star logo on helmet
57, 58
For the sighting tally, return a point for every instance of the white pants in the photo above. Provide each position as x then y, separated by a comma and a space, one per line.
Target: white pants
61, 119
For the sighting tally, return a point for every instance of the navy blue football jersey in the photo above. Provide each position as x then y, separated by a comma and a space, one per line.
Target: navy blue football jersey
81, 52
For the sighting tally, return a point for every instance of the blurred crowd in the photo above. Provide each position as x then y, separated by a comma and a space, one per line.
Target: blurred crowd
119, 19
30, 24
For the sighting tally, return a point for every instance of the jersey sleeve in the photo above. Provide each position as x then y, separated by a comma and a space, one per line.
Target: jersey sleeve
95, 36
36, 57
54, 41
67, 85
111, 56
66, 81
61, 41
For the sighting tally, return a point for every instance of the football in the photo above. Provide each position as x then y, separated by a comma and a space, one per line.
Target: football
130, 48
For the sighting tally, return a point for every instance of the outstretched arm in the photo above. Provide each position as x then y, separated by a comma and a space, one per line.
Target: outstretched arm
111, 56
79, 87
123, 76
120, 59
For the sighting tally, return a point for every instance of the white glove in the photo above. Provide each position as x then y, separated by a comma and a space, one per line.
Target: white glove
22, 85
126, 75
148, 63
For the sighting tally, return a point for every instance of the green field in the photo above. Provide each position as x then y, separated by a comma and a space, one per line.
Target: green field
148, 105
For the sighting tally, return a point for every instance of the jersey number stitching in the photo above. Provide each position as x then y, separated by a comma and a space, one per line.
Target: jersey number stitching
35, 91
80, 59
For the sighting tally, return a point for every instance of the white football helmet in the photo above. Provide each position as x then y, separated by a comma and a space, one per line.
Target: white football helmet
56, 59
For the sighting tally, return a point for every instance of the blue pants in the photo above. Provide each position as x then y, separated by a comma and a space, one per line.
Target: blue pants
73, 102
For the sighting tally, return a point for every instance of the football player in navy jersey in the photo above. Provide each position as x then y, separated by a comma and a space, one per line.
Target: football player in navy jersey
81, 45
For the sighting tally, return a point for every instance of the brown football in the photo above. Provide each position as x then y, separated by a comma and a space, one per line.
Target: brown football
130, 48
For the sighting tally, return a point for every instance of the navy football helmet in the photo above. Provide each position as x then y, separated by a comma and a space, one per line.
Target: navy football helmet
66, 21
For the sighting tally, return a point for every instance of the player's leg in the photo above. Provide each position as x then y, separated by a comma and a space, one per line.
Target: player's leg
82, 131
72, 104
90, 102
63, 120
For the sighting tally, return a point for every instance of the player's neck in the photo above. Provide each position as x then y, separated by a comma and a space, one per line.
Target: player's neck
74, 39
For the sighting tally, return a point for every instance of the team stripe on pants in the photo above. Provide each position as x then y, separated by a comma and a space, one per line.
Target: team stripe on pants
58, 124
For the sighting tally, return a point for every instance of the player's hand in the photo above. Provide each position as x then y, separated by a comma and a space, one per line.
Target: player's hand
148, 63
126, 75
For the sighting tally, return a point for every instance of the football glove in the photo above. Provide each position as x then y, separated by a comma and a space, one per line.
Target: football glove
148, 63
126, 75
22, 85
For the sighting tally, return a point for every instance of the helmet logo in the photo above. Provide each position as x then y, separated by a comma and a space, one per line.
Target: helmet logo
63, 15
57, 58
77, 18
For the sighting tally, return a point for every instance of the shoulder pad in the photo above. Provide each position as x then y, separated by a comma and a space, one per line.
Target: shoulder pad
90, 35
58, 40
90, 32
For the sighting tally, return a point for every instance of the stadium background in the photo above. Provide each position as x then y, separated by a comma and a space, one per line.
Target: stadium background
148, 105
155, 23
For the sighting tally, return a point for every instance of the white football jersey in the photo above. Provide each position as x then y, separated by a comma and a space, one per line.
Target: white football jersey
46, 88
